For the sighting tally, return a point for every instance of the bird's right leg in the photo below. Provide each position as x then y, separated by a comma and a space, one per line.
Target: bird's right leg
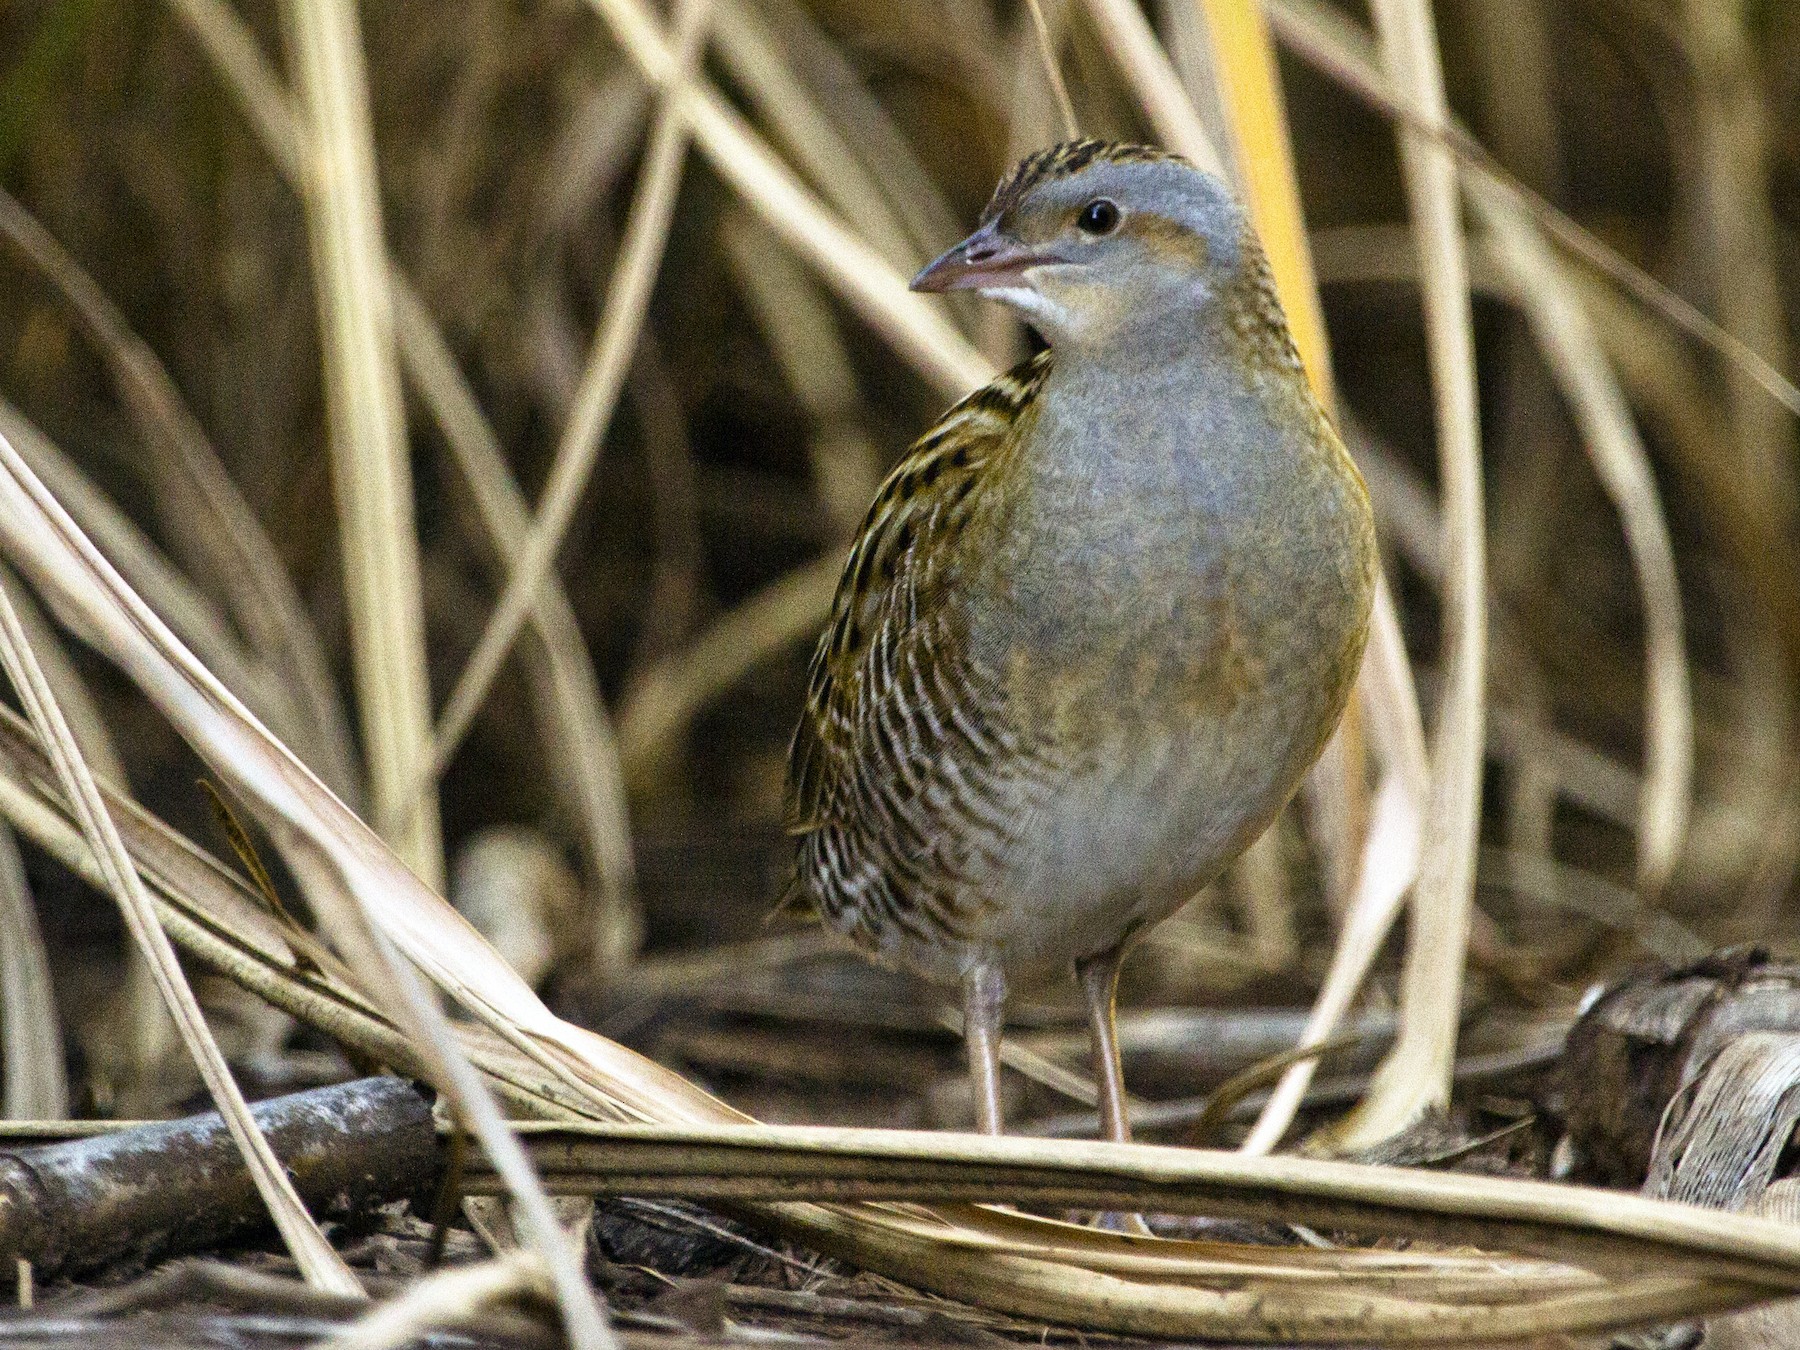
984, 1001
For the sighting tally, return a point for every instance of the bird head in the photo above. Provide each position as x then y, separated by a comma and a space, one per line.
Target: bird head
1088, 237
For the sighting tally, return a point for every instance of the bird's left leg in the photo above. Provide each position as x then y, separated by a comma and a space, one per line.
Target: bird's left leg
984, 1004
1099, 976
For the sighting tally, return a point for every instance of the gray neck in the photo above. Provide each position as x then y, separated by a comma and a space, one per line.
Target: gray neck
1174, 397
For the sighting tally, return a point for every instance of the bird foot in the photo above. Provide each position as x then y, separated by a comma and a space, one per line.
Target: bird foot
1132, 1225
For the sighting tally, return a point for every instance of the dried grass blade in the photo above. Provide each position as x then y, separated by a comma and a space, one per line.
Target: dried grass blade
339, 861
1415, 1077
321, 1266
441, 1299
31, 1042
367, 420
1152, 78
1244, 59
1030, 1267
584, 748
1572, 349
755, 59
1599, 1230
251, 80
226, 545
857, 272
1249, 86
1065, 106
663, 701
627, 301
189, 613
1731, 188
1389, 866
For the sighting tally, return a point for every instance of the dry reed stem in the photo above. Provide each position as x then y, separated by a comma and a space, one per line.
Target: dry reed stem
202, 509
586, 749
796, 320
855, 271
141, 1036
1148, 73
343, 866
665, 697
442, 1298
755, 59
583, 748
627, 302
1244, 65
322, 1267
367, 421
828, 75
1027, 1266
1065, 106
1389, 867
1573, 352
1730, 199
189, 613
30, 1032
1415, 1076
251, 81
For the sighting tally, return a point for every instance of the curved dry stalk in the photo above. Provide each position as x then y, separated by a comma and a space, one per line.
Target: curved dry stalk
627, 301
1415, 1077
1388, 869
367, 421
583, 748
857, 272
1034, 1268
1147, 70
1573, 352
796, 322
1065, 106
226, 544
755, 59
190, 613
440, 1299
341, 868
1731, 208
825, 73
1324, 38
322, 1266
665, 698
1663, 379
31, 1041
251, 80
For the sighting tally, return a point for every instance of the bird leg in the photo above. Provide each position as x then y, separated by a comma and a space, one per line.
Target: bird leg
1099, 976
984, 998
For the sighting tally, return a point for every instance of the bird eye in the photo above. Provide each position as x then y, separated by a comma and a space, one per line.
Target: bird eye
1098, 217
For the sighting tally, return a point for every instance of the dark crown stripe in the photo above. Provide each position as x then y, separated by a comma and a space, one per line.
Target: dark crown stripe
1060, 161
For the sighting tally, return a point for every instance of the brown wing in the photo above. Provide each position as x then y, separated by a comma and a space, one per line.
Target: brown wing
889, 610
